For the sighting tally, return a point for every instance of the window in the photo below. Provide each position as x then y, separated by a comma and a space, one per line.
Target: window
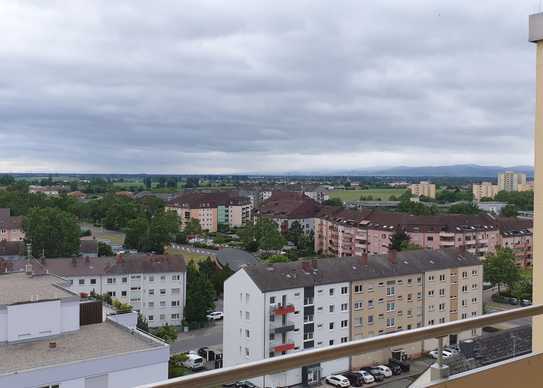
151, 278
441, 306
175, 316
464, 288
381, 284
431, 293
272, 299
441, 320
331, 291
474, 313
93, 281
344, 290
81, 281
331, 342
473, 300
464, 315
409, 297
162, 277
358, 289
358, 306
442, 292
344, 323
152, 292
308, 336
431, 322
442, 278
110, 280
343, 340
111, 293
175, 303
331, 326
358, 321
151, 304
246, 352
370, 319
162, 291
391, 291
123, 293
419, 279
175, 291
370, 303
390, 307
464, 275
162, 317
331, 308
474, 286
474, 272
409, 281
162, 303
431, 307
431, 278
176, 277
247, 333
247, 315
247, 298
150, 318
390, 322
124, 280
344, 307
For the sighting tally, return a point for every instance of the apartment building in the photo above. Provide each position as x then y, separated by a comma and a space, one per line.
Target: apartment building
347, 232
423, 189
511, 181
44, 342
212, 210
11, 227
285, 208
291, 307
12, 250
484, 190
517, 235
154, 285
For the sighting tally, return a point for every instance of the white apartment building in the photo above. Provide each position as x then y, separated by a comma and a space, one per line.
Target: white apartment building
484, 190
154, 285
423, 189
511, 181
290, 307
43, 343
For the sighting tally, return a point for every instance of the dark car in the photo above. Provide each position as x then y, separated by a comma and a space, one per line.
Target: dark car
376, 373
395, 368
402, 364
241, 384
355, 379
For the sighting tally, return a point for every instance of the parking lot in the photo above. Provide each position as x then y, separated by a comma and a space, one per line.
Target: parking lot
417, 367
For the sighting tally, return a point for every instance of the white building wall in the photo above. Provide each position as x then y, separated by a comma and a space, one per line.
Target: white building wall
69, 315
23, 325
133, 377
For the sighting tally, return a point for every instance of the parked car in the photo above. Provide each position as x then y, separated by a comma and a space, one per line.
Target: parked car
385, 370
368, 378
395, 368
194, 362
338, 381
215, 316
241, 384
445, 353
525, 302
356, 379
375, 372
454, 349
402, 364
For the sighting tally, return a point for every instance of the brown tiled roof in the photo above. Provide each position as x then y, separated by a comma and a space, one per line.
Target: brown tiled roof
196, 200
513, 226
88, 247
297, 274
289, 205
12, 248
89, 266
10, 222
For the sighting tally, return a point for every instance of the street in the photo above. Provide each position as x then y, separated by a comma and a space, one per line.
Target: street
195, 339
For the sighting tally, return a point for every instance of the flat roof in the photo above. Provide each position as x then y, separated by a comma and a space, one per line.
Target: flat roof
18, 287
89, 342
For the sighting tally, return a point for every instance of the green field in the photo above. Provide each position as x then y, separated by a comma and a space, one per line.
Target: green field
354, 195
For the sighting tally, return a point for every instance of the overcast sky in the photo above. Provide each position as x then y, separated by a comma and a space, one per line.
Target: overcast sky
263, 86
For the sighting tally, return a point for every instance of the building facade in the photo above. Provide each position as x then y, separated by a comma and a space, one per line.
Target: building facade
44, 342
484, 190
511, 181
11, 227
347, 232
423, 189
212, 210
283, 308
153, 285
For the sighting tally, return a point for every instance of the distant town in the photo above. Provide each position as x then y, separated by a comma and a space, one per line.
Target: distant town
217, 271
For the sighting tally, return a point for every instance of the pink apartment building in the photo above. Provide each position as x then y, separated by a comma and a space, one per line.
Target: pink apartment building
11, 227
344, 232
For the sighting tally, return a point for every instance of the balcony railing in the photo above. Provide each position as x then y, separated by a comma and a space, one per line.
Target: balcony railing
314, 356
284, 310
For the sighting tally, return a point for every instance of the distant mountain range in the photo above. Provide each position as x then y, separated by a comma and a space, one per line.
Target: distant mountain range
456, 170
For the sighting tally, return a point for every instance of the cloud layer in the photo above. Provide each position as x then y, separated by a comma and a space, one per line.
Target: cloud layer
249, 86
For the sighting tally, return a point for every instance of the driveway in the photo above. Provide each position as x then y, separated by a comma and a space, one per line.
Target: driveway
195, 339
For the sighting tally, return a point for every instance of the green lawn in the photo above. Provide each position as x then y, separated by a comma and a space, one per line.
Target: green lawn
354, 195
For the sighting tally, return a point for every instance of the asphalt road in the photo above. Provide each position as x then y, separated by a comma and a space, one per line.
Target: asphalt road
193, 340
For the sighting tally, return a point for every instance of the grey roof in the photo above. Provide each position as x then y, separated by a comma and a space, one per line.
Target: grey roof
235, 258
297, 274
90, 266
89, 342
22, 288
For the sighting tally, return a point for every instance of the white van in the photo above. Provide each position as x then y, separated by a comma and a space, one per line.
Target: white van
194, 362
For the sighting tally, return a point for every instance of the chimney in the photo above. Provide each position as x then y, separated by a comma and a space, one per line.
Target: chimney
52, 345
364, 258
392, 256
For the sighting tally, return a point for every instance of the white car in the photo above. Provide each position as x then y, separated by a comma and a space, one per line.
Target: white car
215, 316
368, 378
338, 381
434, 354
384, 370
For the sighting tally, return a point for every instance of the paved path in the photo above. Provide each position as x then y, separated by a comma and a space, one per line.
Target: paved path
195, 339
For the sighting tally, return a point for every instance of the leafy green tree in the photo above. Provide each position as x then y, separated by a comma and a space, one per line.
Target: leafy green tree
464, 208
523, 200
162, 231
104, 249
295, 232
510, 211
501, 269
142, 323
167, 333
264, 234
193, 227
417, 208
277, 259
200, 295
53, 232
6, 180
181, 237
137, 234
399, 240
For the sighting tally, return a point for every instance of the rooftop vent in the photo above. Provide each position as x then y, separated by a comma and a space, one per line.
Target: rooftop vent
52, 345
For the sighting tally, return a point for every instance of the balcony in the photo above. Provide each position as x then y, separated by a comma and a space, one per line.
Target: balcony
284, 310
518, 371
279, 327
